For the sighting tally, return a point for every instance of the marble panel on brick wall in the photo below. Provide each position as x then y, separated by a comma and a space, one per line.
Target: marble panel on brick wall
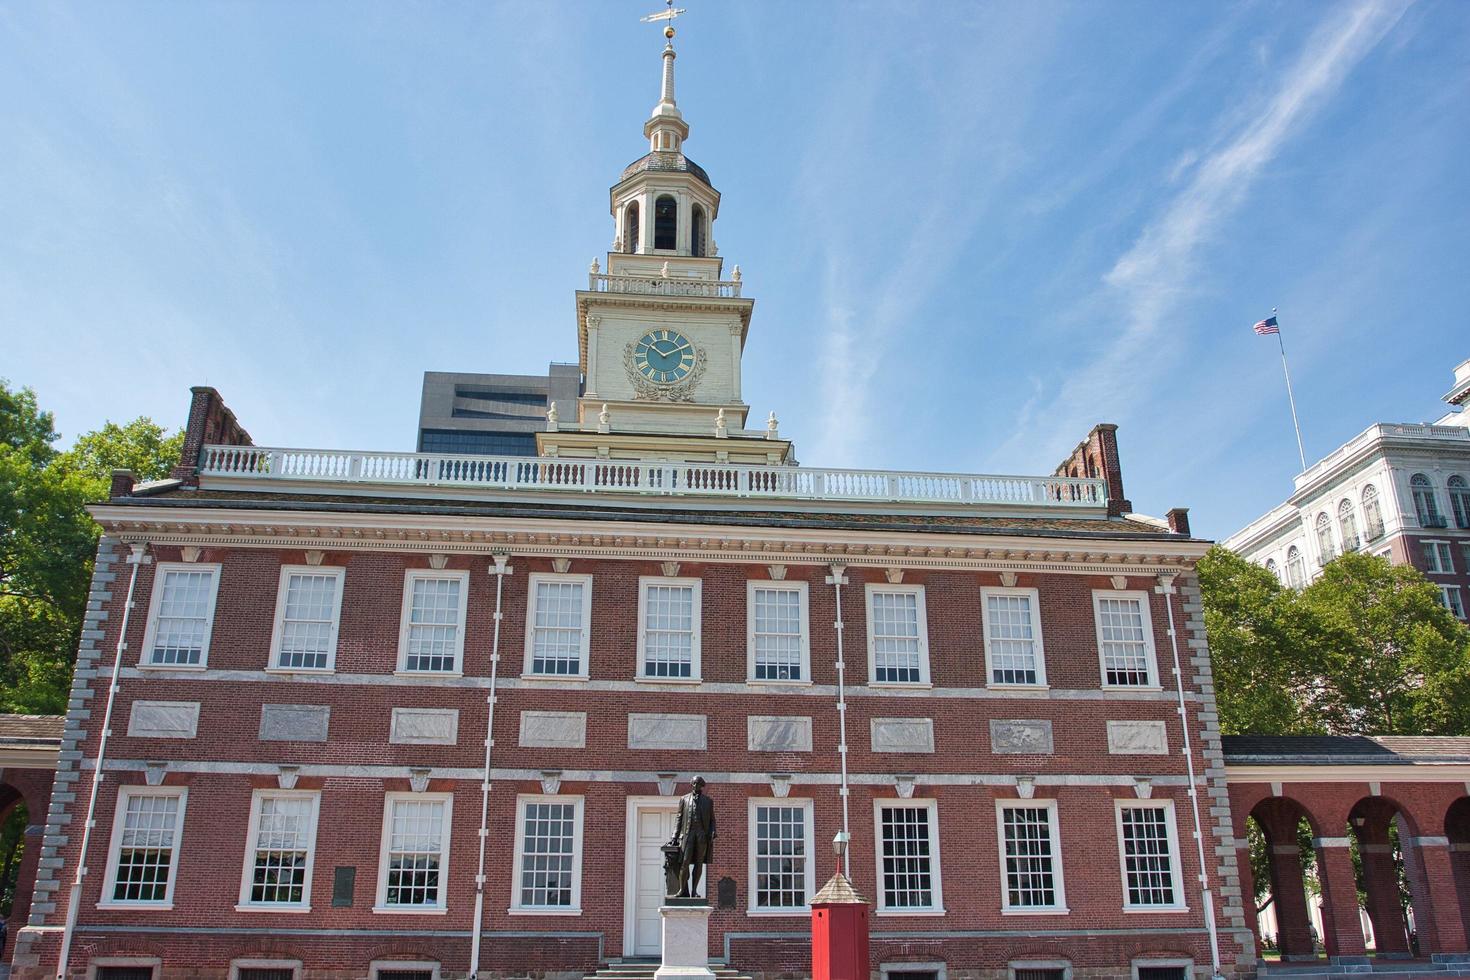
903, 735
553, 729
771, 733
164, 719
1021, 737
294, 722
424, 726
1137, 738
666, 731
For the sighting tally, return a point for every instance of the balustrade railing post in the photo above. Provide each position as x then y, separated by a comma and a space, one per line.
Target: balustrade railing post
273, 463
354, 467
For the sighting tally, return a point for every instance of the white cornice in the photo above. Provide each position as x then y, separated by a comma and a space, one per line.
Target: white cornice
647, 540
1414, 772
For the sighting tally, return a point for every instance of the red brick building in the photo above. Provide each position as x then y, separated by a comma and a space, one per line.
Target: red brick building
422, 715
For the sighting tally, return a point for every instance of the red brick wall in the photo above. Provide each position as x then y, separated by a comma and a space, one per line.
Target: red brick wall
352, 805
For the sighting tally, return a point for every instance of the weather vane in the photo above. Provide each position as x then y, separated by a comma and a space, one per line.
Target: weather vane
667, 15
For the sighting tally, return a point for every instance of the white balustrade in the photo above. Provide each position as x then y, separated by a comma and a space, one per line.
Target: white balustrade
632, 476
662, 285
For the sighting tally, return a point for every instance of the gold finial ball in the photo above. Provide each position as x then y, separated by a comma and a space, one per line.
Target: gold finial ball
669, 33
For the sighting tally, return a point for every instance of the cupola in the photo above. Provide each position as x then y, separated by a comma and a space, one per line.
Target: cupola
664, 203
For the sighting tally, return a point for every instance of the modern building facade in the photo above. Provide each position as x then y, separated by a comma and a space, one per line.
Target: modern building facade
427, 715
1400, 490
492, 414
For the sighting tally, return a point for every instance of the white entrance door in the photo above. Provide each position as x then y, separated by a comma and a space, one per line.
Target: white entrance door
652, 826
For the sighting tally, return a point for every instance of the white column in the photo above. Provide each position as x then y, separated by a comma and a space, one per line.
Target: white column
592, 331
735, 358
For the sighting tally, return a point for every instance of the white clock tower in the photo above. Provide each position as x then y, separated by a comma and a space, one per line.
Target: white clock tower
660, 332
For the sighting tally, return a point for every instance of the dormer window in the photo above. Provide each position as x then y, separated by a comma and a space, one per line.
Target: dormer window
665, 223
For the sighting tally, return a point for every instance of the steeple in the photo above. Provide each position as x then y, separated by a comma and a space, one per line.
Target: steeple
666, 129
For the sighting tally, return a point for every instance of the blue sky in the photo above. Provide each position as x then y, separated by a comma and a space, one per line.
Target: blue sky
972, 230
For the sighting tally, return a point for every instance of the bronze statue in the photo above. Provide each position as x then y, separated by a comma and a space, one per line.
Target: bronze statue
693, 843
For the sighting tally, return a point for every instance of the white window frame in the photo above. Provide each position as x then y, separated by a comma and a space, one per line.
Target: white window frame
114, 847
1442, 551
1151, 653
578, 803
1445, 591
1055, 833
1040, 652
810, 870
801, 589
532, 581
340, 574
874, 588
151, 631
1176, 857
695, 624
247, 873
879, 805
409, 577
380, 904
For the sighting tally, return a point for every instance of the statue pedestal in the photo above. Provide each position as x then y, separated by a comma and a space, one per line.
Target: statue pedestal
685, 940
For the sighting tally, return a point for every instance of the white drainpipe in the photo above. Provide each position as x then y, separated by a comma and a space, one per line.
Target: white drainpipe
74, 900
837, 579
1167, 590
500, 571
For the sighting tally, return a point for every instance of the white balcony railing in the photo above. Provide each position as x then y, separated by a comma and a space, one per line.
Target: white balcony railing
663, 285
639, 477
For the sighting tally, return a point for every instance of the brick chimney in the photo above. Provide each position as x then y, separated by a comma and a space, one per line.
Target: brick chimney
1178, 519
1097, 457
123, 482
211, 423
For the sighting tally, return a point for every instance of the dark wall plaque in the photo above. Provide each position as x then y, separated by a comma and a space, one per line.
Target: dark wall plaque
725, 893
343, 883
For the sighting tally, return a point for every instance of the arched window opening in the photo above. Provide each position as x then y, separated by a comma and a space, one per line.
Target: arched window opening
631, 237
1426, 508
665, 223
1295, 573
1373, 513
1347, 523
1271, 567
697, 230
1325, 550
1460, 500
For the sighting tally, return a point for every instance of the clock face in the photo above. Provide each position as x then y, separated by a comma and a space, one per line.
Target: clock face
664, 356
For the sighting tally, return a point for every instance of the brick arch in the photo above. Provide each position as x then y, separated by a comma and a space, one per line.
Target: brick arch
1279, 817
1457, 832
33, 788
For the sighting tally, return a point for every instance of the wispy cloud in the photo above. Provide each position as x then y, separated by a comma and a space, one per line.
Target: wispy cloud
1148, 282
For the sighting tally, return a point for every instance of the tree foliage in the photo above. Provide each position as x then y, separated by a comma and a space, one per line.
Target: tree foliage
47, 539
1365, 649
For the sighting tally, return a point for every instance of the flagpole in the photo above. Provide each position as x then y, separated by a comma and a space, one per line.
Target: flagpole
1289, 396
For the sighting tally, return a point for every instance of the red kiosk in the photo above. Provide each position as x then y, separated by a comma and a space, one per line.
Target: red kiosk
839, 928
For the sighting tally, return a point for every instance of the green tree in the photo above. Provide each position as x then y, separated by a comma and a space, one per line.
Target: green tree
1264, 659
1366, 649
47, 539
1394, 659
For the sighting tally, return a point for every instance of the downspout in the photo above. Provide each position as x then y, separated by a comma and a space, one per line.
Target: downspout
837, 579
1167, 590
74, 899
500, 571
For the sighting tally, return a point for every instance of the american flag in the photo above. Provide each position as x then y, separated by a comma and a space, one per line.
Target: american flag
1267, 326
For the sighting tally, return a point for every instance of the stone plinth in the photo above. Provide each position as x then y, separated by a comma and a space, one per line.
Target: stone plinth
685, 940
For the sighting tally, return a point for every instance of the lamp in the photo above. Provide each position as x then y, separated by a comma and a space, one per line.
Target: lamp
839, 845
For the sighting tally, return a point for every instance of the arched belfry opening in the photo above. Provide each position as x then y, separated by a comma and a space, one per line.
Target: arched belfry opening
698, 233
666, 223
631, 231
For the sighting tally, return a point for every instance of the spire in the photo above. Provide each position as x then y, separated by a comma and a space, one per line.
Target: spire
666, 129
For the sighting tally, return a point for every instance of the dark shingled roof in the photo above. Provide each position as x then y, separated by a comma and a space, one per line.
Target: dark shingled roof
31, 730
1051, 527
1339, 750
668, 161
